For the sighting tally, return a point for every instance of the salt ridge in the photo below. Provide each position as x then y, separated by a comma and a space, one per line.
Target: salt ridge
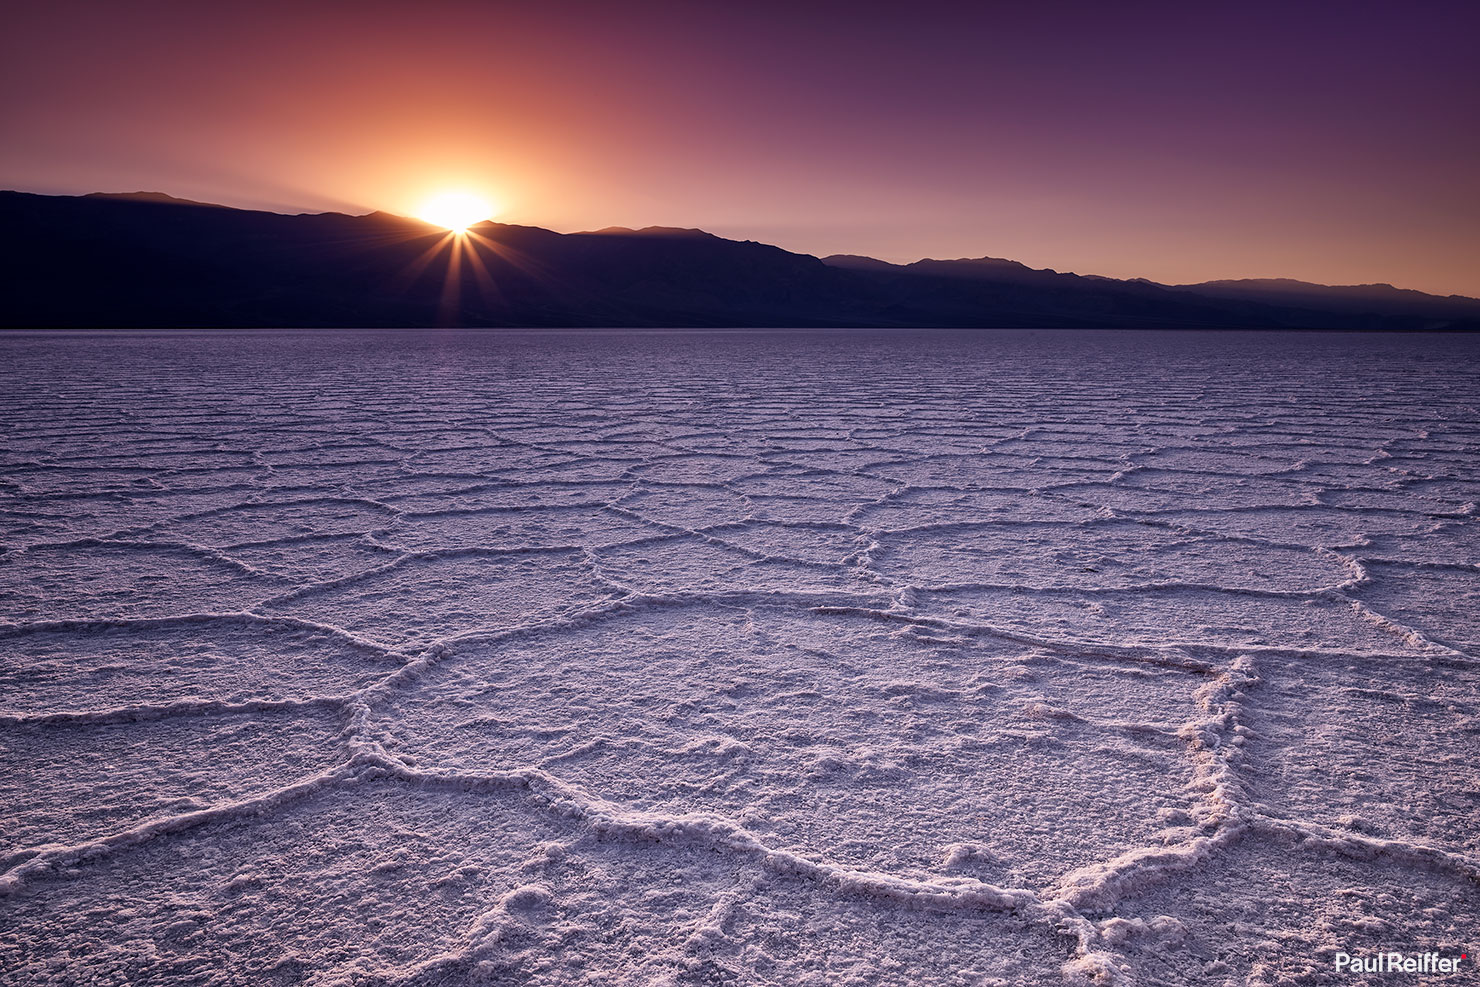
1227, 806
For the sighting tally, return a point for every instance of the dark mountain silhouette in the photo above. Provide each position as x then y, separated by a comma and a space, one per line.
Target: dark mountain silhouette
146, 259
1356, 298
159, 197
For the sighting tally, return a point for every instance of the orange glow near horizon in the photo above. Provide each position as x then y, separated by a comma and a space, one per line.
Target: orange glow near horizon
456, 210
1084, 137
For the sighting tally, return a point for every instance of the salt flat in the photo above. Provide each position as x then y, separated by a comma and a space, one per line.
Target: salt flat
736, 658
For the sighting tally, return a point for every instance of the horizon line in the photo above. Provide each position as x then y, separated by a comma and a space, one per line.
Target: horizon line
820, 257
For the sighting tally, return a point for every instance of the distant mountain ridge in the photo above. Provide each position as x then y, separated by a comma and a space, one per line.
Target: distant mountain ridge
1379, 297
151, 260
155, 197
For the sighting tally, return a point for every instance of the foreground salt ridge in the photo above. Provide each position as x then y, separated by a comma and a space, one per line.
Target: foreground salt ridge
1214, 743
1077, 904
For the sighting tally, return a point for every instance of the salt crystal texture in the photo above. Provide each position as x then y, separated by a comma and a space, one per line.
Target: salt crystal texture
752, 658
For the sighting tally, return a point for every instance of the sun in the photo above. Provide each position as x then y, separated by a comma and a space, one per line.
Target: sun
455, 210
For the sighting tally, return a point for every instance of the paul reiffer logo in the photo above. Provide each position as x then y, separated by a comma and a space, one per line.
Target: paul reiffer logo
1395, 962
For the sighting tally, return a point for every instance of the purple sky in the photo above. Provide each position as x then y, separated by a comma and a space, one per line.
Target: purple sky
1176, 141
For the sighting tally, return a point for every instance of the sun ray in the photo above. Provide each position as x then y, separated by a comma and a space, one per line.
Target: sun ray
407, 275
449, 309
487, 287
511, 256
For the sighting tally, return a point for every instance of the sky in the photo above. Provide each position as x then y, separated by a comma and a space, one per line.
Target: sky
1181, 142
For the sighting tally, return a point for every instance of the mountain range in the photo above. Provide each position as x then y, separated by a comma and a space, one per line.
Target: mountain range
151, 260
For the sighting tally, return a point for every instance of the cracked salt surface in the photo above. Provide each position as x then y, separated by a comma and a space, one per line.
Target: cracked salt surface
710, 658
